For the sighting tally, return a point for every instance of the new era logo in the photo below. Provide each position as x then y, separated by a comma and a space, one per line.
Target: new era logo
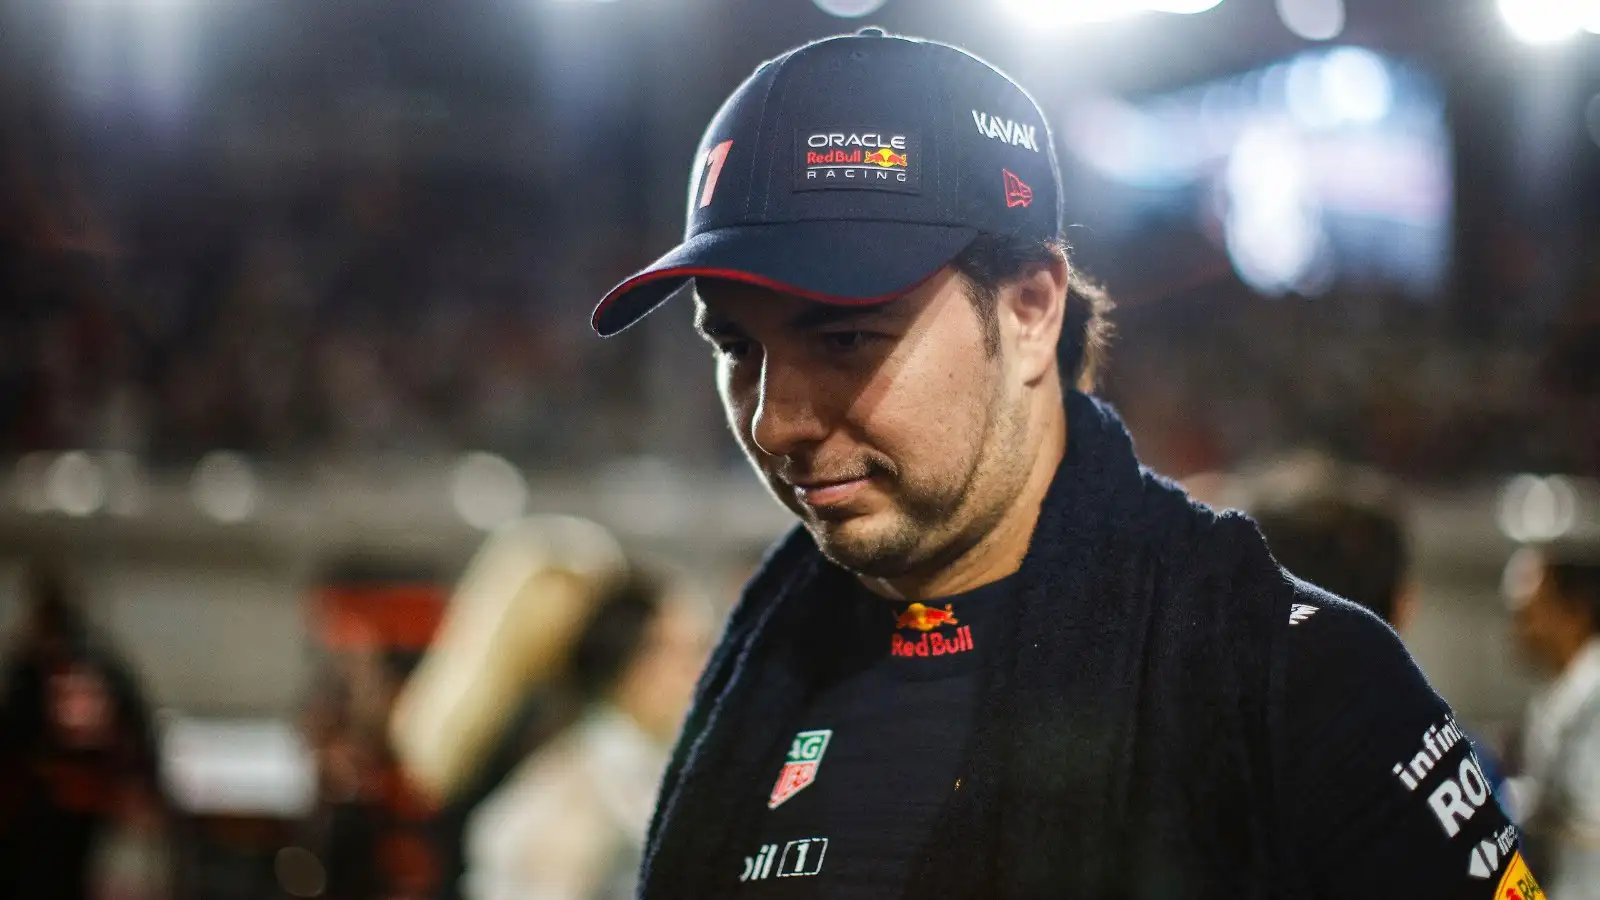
1017, 191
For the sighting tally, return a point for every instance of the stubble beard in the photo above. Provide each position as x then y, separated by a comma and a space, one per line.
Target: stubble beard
935, 520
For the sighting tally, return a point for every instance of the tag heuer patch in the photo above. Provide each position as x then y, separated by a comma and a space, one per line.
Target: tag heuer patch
800, 767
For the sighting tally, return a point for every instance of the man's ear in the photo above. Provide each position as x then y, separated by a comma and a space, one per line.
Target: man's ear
1031, 309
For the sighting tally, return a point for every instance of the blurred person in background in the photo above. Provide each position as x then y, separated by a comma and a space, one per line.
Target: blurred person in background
373, 831
1554, 593
570, 822
997, 656
78, 754
547, 604
1343, 529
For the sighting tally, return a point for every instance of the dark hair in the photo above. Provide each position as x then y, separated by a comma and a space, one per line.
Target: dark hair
54, 602
1340, 528
1575, 574
992, 260
615, 633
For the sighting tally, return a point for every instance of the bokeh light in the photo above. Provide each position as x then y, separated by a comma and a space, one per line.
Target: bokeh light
75, 484
224, 487
1314, 20
487, 491
850, 9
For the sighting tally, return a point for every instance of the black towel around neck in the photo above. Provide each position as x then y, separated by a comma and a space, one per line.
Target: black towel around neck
1125, 743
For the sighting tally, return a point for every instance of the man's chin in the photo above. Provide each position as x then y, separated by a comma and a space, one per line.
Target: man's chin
861, 546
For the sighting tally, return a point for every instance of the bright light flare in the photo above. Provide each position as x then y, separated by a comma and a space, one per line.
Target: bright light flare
1182, 7
1549, 21
1056, 14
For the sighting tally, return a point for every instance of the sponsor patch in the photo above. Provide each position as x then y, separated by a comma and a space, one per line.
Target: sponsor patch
1455, 792
800, 766
798, 858
1006, 131
856, 159
1300, 612
1518, 883
932, 644
1485, 859
926, 619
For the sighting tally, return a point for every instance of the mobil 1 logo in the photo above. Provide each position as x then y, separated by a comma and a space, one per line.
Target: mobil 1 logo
797, 859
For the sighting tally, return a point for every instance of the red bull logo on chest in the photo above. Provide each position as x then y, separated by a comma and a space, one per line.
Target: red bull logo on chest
932, 644
926, 619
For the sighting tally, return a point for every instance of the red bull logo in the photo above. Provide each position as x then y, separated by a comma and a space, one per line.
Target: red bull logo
836, 158
886, 158
932, 644
925, 619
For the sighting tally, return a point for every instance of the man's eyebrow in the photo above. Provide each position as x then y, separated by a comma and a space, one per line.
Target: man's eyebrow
814, 316
819, 315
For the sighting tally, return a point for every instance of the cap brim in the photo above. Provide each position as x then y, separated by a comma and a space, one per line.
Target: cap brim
843, 263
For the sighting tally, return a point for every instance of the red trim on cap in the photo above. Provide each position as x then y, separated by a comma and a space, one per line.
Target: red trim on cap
744, 278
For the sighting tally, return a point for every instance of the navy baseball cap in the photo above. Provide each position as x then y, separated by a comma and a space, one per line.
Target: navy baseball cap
850, 170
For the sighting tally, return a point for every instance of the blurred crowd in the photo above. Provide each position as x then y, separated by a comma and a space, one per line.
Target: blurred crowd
340, 310
504, 737
1230, 378
500, 740
342, 313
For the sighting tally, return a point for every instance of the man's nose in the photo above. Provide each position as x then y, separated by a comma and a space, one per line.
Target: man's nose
788, 416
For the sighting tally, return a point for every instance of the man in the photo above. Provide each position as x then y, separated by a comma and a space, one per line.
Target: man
1342, 529
1555, 596
997, 658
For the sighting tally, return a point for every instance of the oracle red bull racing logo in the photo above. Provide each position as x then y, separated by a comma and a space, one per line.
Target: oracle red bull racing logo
927, 620
855, 159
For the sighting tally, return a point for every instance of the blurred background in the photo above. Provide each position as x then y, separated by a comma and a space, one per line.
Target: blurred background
294, 308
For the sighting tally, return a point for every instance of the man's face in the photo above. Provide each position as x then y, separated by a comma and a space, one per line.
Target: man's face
1542, 622
888, 429
658, 685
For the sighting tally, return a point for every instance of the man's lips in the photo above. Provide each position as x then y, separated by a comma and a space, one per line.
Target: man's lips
828, 493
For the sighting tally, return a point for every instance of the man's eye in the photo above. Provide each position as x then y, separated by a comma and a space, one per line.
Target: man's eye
846, 340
